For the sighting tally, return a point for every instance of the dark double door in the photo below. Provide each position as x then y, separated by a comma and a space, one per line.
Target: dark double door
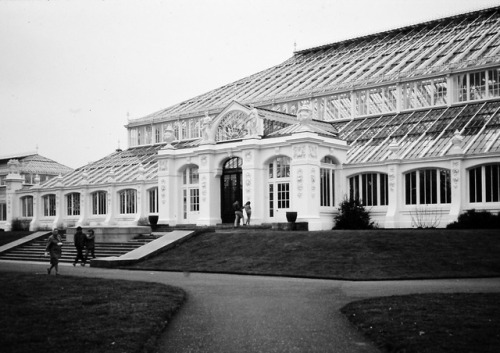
231, 190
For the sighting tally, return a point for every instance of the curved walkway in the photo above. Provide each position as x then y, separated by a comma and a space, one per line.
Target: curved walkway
230, 313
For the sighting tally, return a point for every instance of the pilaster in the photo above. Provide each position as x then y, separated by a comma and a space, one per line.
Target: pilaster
253, 185
167, 188
13, 182
457, 187
305, 184
209, 185
395, 191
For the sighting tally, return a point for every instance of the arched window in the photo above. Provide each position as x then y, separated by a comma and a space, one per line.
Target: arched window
279, 184
27, 206
484, 183
369, 188
327, 182
153, 200
73, 204
428, 186
128, 201
3, 211
190, 192
49, 205
99, 203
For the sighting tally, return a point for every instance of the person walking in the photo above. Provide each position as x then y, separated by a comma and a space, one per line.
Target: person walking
54, 250
79, 242
90, 244
248, 211
238, 214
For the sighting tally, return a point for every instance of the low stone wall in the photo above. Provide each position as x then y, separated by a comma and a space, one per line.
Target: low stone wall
290, 226
104, 234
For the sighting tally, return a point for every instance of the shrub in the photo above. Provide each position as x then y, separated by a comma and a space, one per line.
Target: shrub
352, 215
20, 224
473, 219
143, 221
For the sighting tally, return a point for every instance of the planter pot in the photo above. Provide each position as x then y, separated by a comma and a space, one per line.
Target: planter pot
153, 221
291, 217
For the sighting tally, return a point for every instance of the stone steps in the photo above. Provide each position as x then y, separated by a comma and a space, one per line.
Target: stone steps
35, 250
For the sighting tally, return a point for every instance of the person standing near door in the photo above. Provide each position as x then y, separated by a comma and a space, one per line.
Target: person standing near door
238, 213
248, 211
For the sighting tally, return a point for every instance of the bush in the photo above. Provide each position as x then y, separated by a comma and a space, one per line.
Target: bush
352, 215
473, 219
20, 224
143, 221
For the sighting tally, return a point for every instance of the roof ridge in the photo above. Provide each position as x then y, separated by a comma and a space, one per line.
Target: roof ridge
384, 32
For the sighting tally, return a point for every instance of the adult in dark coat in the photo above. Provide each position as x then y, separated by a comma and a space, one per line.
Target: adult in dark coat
79, 242
54, 249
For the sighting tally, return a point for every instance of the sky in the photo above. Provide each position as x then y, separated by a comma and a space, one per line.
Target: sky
73, 72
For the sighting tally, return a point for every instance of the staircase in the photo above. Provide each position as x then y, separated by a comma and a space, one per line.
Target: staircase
35, 250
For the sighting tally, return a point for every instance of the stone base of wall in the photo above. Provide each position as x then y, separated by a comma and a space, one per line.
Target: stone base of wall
290, 226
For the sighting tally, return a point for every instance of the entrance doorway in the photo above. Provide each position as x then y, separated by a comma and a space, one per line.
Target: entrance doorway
231, 188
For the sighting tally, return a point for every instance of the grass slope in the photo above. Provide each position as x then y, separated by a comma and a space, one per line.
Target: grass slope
430, 323
375, 254
39, 313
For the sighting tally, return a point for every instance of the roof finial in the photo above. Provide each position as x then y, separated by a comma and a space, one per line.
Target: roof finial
118, 149
36, 148
294, 46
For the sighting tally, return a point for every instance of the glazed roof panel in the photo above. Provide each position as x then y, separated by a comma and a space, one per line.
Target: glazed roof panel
430, 48
427, 133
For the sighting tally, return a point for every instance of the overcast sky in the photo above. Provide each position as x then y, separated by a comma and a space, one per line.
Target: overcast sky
72, 71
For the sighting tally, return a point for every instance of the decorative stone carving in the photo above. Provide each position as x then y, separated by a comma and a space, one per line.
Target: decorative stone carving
313, 151
300, 180
163, 190
392, 178
248, 183
299, 152
455, 174
204, 160
252, 121
14, 166
304, 114
206, 127
394, 148
163, 165
168, 137
248, 156
456, 142
313, 183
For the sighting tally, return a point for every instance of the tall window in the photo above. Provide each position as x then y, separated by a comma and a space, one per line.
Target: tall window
190, 191
153, 200
3, 211
279, 184
428, 186
128, 201
327, 182
73, 204
484, 183
49, 205
99, 203
370, 188
27, 206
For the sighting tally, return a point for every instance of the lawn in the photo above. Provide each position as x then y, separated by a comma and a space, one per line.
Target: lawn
353, 255
430, 323
105, 316
39, 313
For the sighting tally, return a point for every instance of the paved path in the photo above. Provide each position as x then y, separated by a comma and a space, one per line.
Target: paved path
228, 313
